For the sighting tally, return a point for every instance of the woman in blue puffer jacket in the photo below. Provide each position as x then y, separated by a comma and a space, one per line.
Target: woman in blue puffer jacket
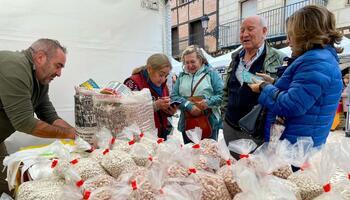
307, 94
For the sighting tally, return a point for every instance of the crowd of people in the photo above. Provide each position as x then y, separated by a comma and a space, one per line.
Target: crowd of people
301, 92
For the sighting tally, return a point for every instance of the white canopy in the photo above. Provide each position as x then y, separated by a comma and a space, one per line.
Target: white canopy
105, 39
344, 56
223, 60
177, 66
207, 56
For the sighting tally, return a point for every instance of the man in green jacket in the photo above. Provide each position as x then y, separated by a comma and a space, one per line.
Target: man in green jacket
24, 86
256, 56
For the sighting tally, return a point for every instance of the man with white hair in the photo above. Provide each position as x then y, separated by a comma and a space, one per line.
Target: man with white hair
256, 56
24, 86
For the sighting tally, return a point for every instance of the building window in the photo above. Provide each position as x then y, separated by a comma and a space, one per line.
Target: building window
182, 1
248, 8
196, 34
175, 41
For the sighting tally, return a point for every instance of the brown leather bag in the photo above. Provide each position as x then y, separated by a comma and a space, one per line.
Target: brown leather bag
201, 121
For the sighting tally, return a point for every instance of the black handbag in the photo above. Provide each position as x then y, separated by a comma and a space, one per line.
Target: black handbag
253, 123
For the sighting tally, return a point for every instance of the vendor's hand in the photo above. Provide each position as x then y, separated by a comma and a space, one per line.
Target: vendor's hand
266, 77
195, 111
163, 103
255, 87
203, 104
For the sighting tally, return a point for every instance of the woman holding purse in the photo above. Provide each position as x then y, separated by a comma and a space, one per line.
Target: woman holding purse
200, 89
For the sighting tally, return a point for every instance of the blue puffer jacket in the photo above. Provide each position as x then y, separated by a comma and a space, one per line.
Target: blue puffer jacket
306, 95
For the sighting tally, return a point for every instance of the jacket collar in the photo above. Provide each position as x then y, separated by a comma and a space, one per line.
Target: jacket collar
29, 56
333, 51
204, 68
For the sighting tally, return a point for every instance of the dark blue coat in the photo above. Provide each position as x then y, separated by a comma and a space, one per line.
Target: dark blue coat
307, 96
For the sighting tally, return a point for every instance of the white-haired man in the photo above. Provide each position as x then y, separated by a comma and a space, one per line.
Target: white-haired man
256, 56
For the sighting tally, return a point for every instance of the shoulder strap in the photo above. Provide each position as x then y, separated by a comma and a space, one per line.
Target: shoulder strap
200, 80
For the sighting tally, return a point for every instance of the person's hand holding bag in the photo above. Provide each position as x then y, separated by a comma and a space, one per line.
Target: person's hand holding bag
267, 78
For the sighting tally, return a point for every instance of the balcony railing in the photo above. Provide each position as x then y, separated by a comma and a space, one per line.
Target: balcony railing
228, 33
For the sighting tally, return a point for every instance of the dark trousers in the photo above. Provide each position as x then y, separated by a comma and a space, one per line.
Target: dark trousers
3, 175
234, 133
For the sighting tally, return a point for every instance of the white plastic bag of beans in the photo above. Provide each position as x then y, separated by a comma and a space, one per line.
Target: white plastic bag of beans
115, 162
40, 189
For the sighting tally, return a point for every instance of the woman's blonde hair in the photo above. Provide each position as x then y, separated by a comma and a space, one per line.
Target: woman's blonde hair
156, 61
312, 26
194, 49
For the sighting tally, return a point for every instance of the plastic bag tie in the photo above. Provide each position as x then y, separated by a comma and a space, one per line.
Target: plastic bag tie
112, 140
327, 187
160, 140
134, 185
196, 146
73, 162
79, 183
192, 170
54, 163
161, 191
150, 158
105, 151
131, 142
304, 166
244, 156
228, 162
91, 150
86, 195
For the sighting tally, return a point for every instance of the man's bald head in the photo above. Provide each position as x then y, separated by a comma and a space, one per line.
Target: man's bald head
253, 32
257, 18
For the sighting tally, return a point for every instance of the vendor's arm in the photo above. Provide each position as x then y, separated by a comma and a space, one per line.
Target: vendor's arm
16, 97
57, 130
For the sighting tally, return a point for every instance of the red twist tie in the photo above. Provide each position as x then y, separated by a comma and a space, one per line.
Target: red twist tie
133, 185
196, 146
87, 194
150, 158
349, 176
105, 151
113, 140
161, 190
132, 142
304, 166
228, 162
327, 187
192, 170
73, 162
91, 150
141, 135
79, 183
54, 163
160, 140
243, 156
